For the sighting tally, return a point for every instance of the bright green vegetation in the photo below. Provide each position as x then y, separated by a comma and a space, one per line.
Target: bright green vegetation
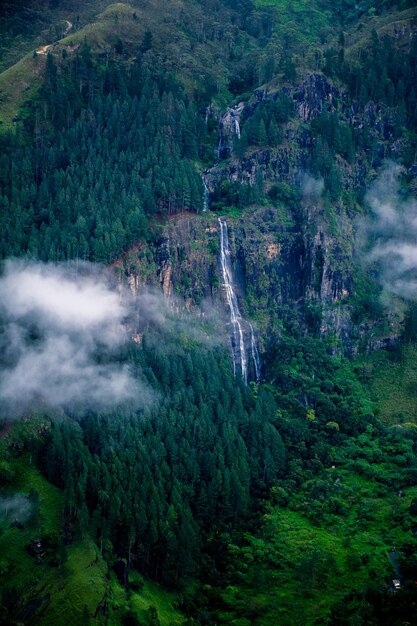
304, 29
70, 578
26, 29
268, 504
17, 84
392, 382
288, 16
60, 581
333, 489
153, 595
26, 26
143, 602
328, 538
152, 602
296, 571
83, 588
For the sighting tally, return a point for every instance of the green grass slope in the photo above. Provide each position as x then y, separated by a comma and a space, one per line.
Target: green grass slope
392, 383
141, 603
50, 587
21, 81
65, 582
28, 25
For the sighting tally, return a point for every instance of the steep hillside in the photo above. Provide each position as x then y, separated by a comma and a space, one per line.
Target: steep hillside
207, 312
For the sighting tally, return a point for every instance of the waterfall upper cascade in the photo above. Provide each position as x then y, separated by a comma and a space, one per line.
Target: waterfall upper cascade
205, 194
243, 336
229, 126
237, 127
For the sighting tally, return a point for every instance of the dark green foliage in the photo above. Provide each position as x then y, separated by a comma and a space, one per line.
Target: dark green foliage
120, 156
131, 619
309, 378
152, 617
367, 300
156, 485
377, 606
331, 137
288, 67
283, 193
347, 11
263, 125
174, 491
386, 75
234, 195
147, 42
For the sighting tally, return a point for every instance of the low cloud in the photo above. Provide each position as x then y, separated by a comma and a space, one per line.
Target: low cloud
62, 331
16, 506
311, 188
389, 236
169, 318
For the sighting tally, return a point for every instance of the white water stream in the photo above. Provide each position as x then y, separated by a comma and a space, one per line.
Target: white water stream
205, 194
239, 355
237, 127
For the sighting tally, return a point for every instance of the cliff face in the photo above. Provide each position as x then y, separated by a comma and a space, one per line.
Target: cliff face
313, 95
181, 261
294, 261
300, 264
290, 273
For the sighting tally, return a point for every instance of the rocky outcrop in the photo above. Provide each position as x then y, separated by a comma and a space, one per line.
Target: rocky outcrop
282, 164
292, 262
164, 265
229, 127
314, 94
292, 272
181, 261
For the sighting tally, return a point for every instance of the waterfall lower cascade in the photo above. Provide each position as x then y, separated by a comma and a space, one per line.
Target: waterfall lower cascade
242, 331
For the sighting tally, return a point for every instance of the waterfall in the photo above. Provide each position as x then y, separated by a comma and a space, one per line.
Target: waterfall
205, 194
237, 127
219, 147
238, 346
239, 324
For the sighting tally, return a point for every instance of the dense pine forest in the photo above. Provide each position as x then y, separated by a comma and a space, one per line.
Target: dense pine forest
191, 191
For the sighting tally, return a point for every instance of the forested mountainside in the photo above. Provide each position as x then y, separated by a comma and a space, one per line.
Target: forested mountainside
208, 318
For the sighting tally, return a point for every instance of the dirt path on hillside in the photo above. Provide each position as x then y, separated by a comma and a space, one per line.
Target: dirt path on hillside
44, 49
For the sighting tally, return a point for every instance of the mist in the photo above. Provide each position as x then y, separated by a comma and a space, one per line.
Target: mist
16, 506
61, 336
388, 238
311, 188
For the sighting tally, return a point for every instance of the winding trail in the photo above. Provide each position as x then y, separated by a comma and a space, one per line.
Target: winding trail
44, 49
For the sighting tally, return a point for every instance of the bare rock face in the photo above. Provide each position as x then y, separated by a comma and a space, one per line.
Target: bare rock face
229, 127
164, 267
293, 266
290, 271
181, 262
314, 94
